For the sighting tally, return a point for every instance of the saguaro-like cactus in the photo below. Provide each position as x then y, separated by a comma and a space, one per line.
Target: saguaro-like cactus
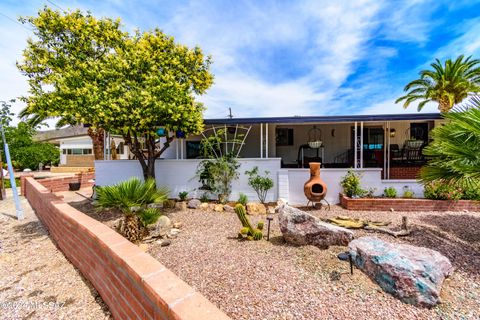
247, 230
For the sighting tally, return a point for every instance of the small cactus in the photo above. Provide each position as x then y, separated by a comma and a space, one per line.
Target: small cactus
260, 225
247, 230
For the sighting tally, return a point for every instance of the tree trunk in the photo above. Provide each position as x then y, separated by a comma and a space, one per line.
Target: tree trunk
146, 161
97, 137
444, 105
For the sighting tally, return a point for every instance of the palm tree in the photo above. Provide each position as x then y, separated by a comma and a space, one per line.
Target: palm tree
455, 149
446, 84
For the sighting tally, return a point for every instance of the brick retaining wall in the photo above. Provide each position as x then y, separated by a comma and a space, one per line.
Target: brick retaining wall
132, 283
61, 183
399, 204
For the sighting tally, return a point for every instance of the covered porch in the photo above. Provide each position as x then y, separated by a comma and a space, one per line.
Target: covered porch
393, 143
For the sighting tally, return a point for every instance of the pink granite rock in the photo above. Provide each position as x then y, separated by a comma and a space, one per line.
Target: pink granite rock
412, 274
301, 228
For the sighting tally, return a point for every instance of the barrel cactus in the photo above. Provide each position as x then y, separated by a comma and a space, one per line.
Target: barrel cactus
247, 231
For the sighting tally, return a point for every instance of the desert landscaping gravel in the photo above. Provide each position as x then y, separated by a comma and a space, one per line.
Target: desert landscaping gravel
36, 280
273, 280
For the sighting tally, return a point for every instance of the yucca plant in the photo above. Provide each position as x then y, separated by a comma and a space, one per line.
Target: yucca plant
131, 197
455, 150
447, 84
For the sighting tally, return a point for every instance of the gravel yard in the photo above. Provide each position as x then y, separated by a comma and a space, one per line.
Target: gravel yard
273, 280
37, 281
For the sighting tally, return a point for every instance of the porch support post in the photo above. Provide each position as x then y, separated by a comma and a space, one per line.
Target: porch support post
181, 149
386, 133
261, 140
361, 144
266, 140
388, 153
355, 145
176, 148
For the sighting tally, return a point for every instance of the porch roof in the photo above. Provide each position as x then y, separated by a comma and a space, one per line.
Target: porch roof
329, 119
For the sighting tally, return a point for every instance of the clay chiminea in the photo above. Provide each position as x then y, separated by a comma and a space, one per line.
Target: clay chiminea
315, 189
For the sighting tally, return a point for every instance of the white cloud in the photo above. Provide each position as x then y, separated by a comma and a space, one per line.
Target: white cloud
389, 106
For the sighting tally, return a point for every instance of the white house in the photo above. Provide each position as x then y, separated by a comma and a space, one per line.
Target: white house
385, 149
76, 148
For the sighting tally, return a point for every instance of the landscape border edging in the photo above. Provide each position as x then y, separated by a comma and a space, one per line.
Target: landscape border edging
404, 204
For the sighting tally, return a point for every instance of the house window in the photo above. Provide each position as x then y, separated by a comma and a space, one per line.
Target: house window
194, 149
77, 151
284, 136
419, 131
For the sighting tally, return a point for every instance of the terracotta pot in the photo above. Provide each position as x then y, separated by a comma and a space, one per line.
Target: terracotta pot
315, 189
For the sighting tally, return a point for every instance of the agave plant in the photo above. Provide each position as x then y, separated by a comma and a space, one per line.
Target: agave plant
131, 197
455, 150
447, 84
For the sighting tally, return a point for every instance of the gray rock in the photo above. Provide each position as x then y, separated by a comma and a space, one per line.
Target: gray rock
412, 274
135, 209
165, 243
158, 205
175, 231
301, 228
194, 204
160, 228
228, 208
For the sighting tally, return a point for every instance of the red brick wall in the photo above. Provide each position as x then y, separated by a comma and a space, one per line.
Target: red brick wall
399, 204
404, 172
61, 184
131, 282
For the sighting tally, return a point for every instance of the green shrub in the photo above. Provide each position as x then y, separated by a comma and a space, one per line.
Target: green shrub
471, 193
149, 216
390, 192
243, 199
223, 171
407, 193
260, 184
183, 195
6, 181
130, 193
351, 185
438, 190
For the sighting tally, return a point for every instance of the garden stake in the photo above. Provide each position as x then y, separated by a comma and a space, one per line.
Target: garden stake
268, 230
351, 263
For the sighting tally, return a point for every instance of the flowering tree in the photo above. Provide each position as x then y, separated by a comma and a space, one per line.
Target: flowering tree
89, 71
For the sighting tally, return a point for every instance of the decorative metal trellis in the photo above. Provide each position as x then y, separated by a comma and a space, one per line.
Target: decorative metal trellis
232, 138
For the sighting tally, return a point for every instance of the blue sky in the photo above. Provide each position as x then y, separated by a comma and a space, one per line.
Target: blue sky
285, 58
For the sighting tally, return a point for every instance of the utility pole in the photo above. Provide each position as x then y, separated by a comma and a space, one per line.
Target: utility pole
230, 115
12, 176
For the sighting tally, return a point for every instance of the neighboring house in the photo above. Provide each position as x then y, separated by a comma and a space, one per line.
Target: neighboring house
386, 149
76, 148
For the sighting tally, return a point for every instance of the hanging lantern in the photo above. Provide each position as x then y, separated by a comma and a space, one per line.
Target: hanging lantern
180, 134
161, 132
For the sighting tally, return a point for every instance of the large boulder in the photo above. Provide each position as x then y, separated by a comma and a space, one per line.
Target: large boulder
412, 274
301, 228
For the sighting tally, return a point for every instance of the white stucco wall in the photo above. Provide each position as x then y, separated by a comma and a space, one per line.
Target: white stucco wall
179, 175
